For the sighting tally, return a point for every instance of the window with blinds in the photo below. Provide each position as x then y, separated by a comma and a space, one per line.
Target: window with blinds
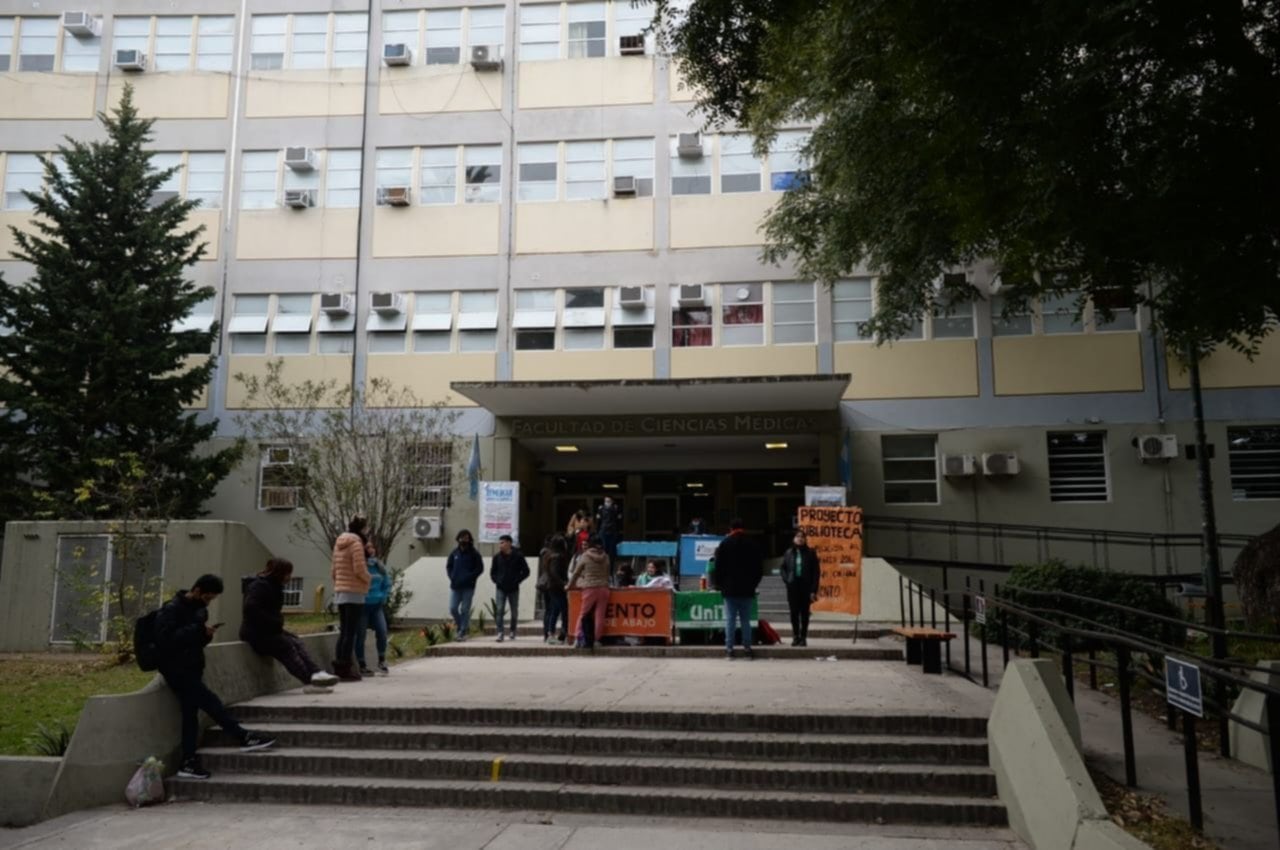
1078, 466
1254, 457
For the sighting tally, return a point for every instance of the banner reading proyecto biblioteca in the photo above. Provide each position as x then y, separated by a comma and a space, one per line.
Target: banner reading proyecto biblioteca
499, 510
836, 535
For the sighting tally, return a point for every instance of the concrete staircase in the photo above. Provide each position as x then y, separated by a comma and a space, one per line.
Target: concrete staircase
883, 768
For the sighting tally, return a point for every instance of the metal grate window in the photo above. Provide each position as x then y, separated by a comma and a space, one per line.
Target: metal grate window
279, 480
1254, 457
293, 593
1078, 466
434, 485
910, 468
94, 574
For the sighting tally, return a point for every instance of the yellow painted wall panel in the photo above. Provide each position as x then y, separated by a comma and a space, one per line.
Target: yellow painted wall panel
286, 234
617, 224
943, 368
708, 221
41, 97
212, 221
1225, 369
740, 361
609, 81
438, 88
462, 230
429, 375
634, 364
678, 89
172, 95
1068, 363
293, 94
202, 401
313, 367
24, 221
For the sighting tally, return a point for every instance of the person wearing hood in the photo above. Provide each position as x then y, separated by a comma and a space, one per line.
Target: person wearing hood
262, 626
590, 574
463, 567
739, 568
350, 574
507, 570
375, 612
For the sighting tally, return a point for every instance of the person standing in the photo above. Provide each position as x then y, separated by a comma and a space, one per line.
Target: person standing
375, 612
739, 568
507, 571
350, 574
800, 573
463, 567
609, 527
262, 625
591, 574
181, 633
553, 575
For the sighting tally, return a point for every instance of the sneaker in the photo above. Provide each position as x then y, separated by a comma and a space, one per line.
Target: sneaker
365, 671
749, 654
513, 635
500, 637
461, 639
728, 654
322, 679
383, 670
254, 741
192, 769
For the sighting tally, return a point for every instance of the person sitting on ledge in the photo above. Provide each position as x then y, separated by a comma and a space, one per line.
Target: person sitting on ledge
263, 626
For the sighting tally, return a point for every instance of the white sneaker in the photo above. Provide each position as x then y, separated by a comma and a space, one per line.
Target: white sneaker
317, 689
500, 637
323, 679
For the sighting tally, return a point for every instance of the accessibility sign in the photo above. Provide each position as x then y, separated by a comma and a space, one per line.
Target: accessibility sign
980, 610
1182, 686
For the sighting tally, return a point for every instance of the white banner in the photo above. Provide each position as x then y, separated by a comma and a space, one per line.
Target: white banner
499, 510
824, 497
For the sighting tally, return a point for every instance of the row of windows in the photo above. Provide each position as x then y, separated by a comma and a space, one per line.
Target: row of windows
579, 30
438, 36
428, 478
334, 179
171, 43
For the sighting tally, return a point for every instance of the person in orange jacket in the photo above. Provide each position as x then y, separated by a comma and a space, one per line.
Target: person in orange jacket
350, 575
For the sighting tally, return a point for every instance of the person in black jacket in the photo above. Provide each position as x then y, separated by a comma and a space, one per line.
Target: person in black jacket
182, 632
263, 625
463, 567
739, 568
800, 572
507, 570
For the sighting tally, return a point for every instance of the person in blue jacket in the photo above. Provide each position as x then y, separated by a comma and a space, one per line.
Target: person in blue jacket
375, 611
463, 568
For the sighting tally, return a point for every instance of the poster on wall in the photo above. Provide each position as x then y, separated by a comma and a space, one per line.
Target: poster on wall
835, 533
499, 510
825, 497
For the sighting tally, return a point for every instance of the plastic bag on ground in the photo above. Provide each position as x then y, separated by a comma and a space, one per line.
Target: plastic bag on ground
147, 785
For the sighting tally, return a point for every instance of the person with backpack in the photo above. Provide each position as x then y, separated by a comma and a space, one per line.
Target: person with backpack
262, 626
350, 574
464, 567
181, 632
375, 612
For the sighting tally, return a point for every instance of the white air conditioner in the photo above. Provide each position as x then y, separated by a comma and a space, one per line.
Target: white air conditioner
393, 196
298, 199
1157, 446
959, 466
692, 295
387, 303
427, 527
631, 45
624, 186
336, 303
300, 159
81, 24
1000, 463
397, 54
131, 60
486, 57
279, 498
689, 145
631, 297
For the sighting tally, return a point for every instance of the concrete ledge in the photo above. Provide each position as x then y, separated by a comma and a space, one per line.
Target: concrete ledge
26, 781
116, 733
1247, 745
1034, 736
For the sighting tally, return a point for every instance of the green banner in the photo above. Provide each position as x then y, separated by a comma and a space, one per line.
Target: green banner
704, 609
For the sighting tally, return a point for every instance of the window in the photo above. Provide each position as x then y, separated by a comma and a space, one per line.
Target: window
350, 35
689, 175
386, 342
584, 171
204, 178
537, 171
439, 175
258, 183
478, 321
535, 319
23, 172
634, 158
280, 479
1062, 314
131, 34
691, 327
292, 324
200, 319
173, 43
535, 340
1009, 318
1254, 457
293, 593
394, 167
6, 42
266, 42
484, 173
487, 26
793, 313
742, 314
432, 322
584, 319
1078, 466
400, 28
1123, 315
215, 35
951, 319
305, 180
342, 182
910, 469
336, 334
633, 325
586, 30
852, 309
38, 44
739, 167
309, 44
248, 327
172, 186
79, 53
633, 337
632, 18
433, 463
444, 36
786, 163
540, 32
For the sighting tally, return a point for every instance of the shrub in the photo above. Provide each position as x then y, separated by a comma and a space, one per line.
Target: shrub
1257, 575
51, 740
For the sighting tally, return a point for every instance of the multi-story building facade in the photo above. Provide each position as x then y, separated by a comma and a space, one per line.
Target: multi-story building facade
508, 208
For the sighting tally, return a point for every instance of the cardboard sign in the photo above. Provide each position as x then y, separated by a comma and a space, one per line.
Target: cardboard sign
631, 612
836, 535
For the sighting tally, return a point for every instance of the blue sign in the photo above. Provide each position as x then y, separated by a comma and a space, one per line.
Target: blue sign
1182, 686
695, 551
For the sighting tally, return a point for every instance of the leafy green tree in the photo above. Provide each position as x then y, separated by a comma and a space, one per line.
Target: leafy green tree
92, 369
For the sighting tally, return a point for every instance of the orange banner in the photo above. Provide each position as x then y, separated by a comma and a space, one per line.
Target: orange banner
631, 612
836, 535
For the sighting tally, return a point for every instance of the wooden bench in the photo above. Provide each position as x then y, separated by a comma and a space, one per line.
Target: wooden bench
924, 646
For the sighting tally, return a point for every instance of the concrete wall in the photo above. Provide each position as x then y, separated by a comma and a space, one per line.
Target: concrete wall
426, 578
26, 781
1247, 745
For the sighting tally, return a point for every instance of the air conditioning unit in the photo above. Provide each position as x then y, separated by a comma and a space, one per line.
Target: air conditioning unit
959, 466
387, 303
689, 145
81, 24
397, 54
279, 498
393, 196
631, 297
1000, 463
624, 186
300, 159
631, 45
131, 60
1157, 446
486, 57
298, 199
428, 527
336, 303
692, 295
278, 456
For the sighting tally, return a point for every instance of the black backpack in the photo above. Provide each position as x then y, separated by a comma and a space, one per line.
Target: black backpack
145, 651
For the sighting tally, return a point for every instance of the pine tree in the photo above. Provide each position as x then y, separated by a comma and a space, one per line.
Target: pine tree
93, 372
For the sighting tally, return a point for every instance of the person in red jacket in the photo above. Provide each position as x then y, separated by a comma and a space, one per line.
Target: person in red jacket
350, 574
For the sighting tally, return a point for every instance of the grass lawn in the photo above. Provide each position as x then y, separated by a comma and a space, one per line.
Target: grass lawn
50, 688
